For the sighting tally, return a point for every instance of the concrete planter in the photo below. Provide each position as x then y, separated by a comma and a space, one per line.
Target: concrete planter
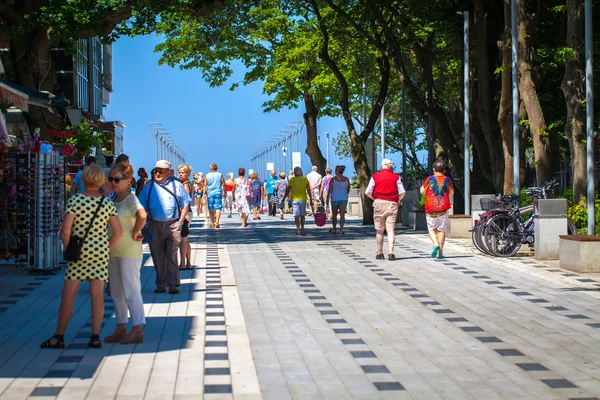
580, 253
459, 226
419, 220
409, 203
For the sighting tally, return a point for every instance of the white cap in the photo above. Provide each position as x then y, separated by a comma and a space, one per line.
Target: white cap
386, 163
163, 164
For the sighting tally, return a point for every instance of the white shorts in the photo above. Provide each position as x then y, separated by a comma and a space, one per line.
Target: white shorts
438, 223
316, 194
299, 208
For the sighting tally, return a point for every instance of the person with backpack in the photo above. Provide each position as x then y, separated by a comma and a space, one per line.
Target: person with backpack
166, 202
437, 190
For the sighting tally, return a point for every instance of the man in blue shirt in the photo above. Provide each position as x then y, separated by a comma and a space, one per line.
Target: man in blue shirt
272, 193
165, 201
215, 191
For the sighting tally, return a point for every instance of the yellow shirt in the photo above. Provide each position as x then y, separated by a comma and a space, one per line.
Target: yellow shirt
298, 185
127, 247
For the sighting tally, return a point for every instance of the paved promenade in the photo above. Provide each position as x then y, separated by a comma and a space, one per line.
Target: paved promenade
268, 314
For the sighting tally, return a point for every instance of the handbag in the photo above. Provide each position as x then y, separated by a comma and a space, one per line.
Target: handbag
73, 250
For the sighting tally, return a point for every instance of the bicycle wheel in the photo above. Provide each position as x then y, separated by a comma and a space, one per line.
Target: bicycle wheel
476, 237
571, 227
502, 235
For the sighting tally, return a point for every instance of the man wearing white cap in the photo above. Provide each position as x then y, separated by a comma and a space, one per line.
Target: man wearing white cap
386, 190
315, 179
165, 200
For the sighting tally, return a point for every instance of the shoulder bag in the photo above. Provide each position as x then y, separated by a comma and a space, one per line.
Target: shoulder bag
73, 250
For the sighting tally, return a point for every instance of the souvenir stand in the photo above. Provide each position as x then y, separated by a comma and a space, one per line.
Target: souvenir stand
32, 196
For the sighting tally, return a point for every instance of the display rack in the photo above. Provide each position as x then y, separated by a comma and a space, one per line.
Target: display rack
32, 204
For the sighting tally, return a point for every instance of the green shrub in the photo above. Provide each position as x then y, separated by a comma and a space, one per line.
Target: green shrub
578, 214
421, 204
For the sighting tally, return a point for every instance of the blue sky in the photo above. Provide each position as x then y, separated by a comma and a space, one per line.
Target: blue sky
209, 124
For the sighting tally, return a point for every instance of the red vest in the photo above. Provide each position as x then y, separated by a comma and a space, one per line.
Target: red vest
386, 185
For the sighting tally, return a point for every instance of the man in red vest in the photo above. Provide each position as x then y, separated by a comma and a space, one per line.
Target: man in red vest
386, 190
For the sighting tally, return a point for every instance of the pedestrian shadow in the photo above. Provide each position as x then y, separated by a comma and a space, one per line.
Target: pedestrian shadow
161, 334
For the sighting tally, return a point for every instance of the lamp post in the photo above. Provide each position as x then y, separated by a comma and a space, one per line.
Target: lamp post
327, 163
404, 174
515, 99
382, 132
466, 117
589, 98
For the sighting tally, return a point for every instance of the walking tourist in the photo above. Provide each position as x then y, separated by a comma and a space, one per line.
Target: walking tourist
299, 190
339, 187
214, 191
386, 190
325, 189
242, 193
200, 199
229, 190
126, 259
87, 216
185, 249
78, 186
272, 198
289, 201
139, 185
165, 201
257, 195
437, 189
315, 179
280, 189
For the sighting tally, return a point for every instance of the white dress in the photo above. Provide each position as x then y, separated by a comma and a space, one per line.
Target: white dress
242, 188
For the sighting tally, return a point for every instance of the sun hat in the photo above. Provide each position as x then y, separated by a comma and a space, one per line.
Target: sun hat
163, 164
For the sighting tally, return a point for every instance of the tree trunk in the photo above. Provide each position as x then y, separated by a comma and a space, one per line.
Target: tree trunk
505, 110
573, 87
535, 114
313, 150
484, 97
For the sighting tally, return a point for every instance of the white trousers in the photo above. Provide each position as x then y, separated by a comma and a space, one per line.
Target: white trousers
126, 289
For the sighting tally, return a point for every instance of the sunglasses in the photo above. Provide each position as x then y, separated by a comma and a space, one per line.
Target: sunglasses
115, 180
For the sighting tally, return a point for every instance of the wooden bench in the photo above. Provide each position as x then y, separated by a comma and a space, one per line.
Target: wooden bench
459, 226
580, 253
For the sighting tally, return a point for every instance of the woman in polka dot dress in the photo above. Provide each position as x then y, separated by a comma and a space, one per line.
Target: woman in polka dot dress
92, 265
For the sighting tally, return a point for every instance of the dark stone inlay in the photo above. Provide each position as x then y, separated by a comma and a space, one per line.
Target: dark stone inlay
444, 311
216, 333
316, 297
418, 296
471, 329
557, 308
336, 321
213, 323
507, 287
312, 291
322, 304
329, 312
410, 290
46, 391
509, 352
83, 335
217, 389
559, 383
216, 356
385, 274
18, 295
215, 343
522, 294
27, 289
215, 314
537, 300
470, 272
385, 386
594, 325
586, 280
392, 279
214, 306
375, 369
302, 280
69, 359
430, 303
8, 302
481, 277
352, 341
456, 319
577, 316
377, 270
59, 373
458, 268
344, 331
216, 371
77, 346
493, 282
363, 354
307, 285
2, 309
532, 367
401, 284
488, 339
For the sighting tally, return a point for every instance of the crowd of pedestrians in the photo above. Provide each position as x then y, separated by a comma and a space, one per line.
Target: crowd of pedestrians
108, 222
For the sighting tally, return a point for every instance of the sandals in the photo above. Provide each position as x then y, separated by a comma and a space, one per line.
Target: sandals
332, 230
380, 256
59, 344
391, 257
94, 342
133, 338
115, 337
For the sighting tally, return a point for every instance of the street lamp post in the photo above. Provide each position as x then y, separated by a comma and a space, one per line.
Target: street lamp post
327, 136
589, 98
515, 99
467, 121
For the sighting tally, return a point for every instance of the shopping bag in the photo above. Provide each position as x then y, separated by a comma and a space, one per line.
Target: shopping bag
320, 216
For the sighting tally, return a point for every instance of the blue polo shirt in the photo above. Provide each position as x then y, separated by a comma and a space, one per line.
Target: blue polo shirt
162, 205
270, 185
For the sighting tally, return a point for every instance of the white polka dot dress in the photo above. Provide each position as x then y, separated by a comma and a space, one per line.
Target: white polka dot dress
93, 262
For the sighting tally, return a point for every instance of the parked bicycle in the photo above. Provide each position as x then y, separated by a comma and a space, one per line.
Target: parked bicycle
501, 230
